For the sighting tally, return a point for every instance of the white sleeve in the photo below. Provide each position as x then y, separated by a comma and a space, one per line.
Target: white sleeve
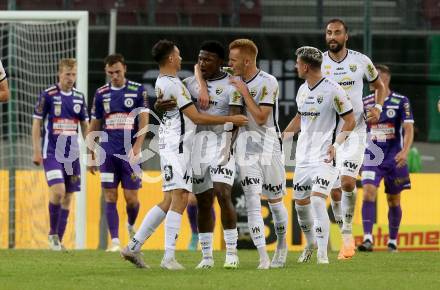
341, 103
181, 95
269, 93
370, 72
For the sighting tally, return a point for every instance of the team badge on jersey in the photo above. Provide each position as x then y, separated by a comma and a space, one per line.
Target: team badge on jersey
106, 104
57, 108
320, 98
353, 67
129, 102
219, 90
253, 92
77, 108
391, 113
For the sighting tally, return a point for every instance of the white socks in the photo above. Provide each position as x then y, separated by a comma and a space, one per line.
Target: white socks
321, 223
152, 220
337, 212
279, 214
205, 240
231, 237
305, 220
348, 205
172, 227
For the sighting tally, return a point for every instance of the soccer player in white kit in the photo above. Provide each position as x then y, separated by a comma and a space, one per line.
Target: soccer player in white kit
320, 100
176, 135
349, 68
259, 152
4, 88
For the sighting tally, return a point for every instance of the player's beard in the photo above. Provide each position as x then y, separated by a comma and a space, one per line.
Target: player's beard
335, 49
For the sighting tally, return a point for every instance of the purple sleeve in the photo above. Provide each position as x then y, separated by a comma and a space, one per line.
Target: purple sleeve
41, 108
97, 110
405, 111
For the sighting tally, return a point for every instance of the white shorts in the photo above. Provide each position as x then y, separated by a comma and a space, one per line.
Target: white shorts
315, 178
350, 156
205, 174
176, 171
266, 177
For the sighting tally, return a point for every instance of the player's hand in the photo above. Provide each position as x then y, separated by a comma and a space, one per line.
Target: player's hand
331, 152
401, 158
238, 120
373, 115
240, 85
167, 105
91, 163
135, 153
203, 93
37, 159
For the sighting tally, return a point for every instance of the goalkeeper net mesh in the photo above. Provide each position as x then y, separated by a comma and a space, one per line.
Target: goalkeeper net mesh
30, 52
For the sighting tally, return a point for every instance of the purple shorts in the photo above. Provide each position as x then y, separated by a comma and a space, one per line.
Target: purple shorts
115, 170
68, 173
395, 179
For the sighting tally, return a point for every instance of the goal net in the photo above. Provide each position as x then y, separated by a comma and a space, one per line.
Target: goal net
31, 45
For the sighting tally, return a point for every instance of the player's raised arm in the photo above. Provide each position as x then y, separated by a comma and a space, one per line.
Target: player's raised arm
260, 112
203, 88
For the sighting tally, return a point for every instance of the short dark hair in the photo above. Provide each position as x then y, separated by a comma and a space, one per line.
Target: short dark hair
214, 46
338, 20
310, 55
383, 68
114, 58
161, 50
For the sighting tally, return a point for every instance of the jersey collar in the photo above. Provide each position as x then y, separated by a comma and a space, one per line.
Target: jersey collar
317, 84
218, 78
253, 77
346, 54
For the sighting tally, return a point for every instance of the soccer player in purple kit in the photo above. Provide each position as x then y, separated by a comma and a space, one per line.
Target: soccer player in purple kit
113, 106
388, 136
61, 107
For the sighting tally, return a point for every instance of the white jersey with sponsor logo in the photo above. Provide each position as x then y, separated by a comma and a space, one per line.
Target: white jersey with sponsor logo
176, 131
2, 72
319, 107
349, 73
263, 87
221, 96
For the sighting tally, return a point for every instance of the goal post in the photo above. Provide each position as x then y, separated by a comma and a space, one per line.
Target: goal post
31, 44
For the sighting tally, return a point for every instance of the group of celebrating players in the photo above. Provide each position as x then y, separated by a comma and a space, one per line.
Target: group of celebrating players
224, 122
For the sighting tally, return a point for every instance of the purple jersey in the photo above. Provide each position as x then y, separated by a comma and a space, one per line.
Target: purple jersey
61, 112
113, 106
387, 133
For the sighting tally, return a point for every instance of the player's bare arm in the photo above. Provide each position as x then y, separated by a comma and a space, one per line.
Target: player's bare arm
349, 124
36, 139
401, 157
204, 119
373, 114
293, 128
95, 125
4, 91
260, 113
164, 105
203, 88
134, 153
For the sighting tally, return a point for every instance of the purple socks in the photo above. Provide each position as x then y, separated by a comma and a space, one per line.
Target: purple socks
111, 213
394, 218
54, 215
368, 216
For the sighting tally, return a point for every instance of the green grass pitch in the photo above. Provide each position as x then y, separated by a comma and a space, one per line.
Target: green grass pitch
34, 269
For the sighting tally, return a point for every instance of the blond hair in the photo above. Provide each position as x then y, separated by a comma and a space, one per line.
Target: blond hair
68, 63
246, 46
